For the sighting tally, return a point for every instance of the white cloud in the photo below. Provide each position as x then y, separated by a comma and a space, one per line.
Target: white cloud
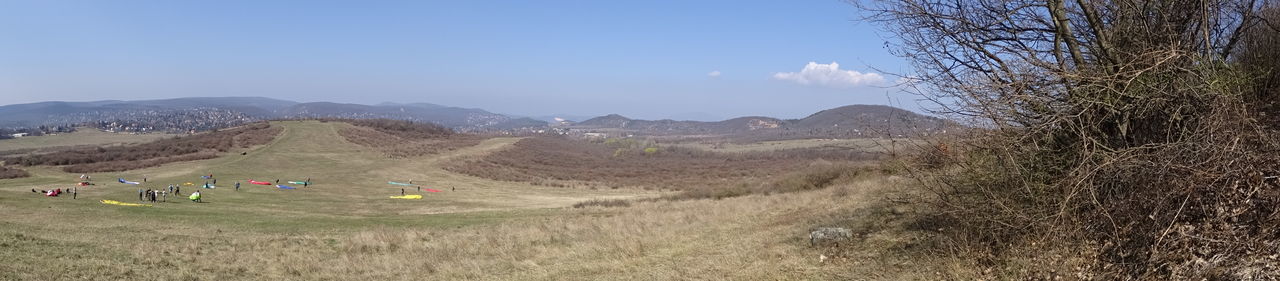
714, 73
829, 75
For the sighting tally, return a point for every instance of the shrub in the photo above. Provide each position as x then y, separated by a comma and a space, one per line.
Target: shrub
12, 173
602, 203
185, 148
399, 139
1140, 137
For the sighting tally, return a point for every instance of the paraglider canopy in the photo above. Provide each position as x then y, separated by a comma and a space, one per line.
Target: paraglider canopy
114, 202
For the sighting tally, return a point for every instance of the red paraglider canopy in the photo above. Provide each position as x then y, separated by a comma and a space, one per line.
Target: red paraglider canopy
260, 182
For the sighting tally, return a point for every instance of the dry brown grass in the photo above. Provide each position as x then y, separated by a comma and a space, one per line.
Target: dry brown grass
753, 237
565, 162
343, 227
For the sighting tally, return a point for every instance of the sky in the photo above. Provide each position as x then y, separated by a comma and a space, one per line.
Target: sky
683, 59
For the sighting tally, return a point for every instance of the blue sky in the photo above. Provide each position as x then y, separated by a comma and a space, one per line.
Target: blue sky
646, 59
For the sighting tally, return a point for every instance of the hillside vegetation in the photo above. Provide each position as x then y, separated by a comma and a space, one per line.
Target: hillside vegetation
618, 163
12, 173
852, 121
129, 157
401, 139
82, 137
1118, 141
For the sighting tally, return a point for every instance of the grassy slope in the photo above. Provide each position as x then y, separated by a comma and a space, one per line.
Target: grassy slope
85, 136
345, 227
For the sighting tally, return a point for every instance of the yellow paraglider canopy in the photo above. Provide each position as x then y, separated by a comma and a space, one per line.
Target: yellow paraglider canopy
411, 196
114, 202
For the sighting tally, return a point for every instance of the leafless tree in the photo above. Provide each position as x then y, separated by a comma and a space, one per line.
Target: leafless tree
1122, 123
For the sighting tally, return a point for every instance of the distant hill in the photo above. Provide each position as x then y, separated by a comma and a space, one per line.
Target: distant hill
842, 122
173, 115
205, 113
464, 119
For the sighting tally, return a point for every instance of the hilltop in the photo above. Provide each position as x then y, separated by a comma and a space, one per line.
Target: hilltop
852, 121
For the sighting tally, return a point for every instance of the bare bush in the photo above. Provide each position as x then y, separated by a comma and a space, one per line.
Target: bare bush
400, 139
121, 158
12, 173
602, 203
402, 128
1132, 130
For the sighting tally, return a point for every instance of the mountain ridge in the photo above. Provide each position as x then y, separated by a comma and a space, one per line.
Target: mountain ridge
207, 113
859, 120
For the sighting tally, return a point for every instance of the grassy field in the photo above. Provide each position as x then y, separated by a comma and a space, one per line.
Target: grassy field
83, 136
344, 226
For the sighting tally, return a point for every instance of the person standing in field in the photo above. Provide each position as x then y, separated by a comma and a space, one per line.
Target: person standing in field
140, 192
237, 186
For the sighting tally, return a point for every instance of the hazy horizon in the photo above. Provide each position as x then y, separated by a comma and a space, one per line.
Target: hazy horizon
708, 60
681, 116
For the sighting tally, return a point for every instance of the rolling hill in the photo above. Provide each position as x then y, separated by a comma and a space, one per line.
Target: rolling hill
842, 122
205, 113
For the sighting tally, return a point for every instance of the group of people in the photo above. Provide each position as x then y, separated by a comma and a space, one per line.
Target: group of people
56, 192
151, 195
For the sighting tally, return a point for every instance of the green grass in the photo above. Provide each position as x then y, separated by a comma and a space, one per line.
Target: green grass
83, 136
